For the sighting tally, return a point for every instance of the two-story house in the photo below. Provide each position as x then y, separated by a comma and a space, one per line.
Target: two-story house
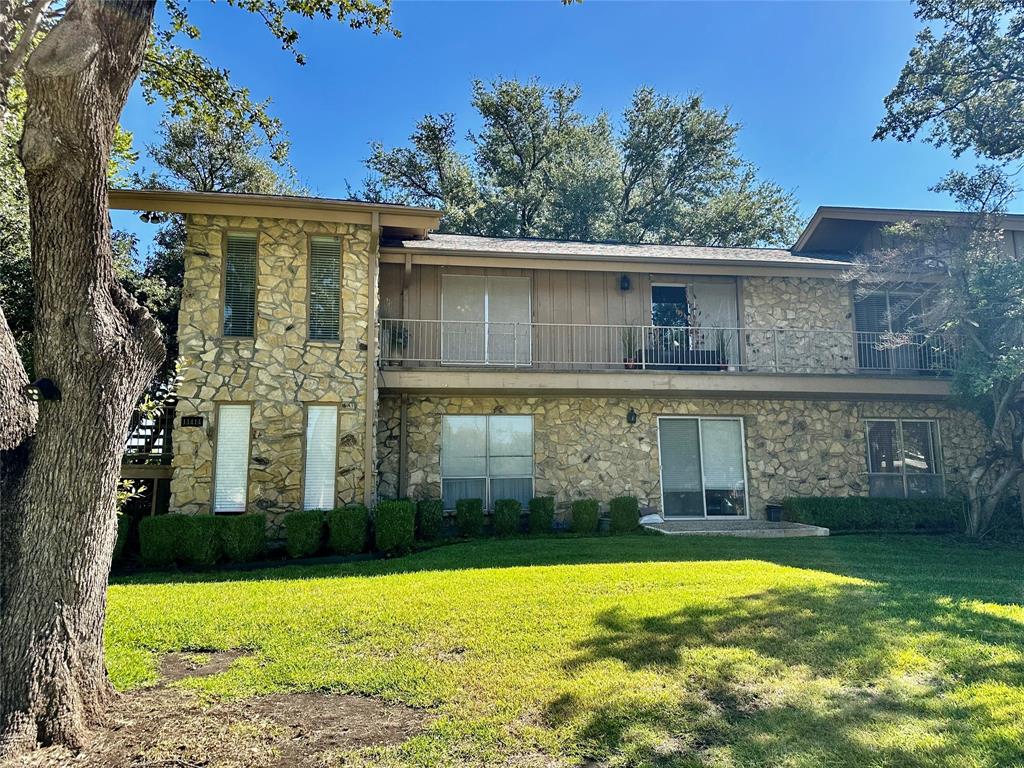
342, 351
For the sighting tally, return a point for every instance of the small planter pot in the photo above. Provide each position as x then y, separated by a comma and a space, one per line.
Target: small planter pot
774, 512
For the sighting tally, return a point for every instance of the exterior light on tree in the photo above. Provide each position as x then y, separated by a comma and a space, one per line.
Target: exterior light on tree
42, 389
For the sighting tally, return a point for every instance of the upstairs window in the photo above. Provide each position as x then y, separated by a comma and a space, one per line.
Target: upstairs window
240, 284
324, 288
904, 458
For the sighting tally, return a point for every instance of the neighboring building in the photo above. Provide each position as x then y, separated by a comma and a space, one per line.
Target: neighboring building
705, 381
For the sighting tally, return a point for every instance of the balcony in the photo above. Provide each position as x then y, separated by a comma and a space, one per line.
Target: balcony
646, 348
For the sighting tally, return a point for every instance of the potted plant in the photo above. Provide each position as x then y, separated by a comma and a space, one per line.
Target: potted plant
630, 345
721, 340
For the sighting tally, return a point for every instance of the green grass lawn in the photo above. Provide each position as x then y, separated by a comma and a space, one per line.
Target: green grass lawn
638, 650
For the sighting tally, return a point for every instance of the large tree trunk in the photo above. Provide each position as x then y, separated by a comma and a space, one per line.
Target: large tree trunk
101, 349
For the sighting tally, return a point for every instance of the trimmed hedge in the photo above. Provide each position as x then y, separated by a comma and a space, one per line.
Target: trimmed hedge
199, 544
585, 515
124, 525
507, 513
303, 532
861, 513
243, 537
348, 529
158, 539
394, 525
469, 516
542, 514
624, 514
429, 519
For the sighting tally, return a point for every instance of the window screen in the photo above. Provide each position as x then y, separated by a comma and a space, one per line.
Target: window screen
240, 284
232, 460
321, 456
324, 288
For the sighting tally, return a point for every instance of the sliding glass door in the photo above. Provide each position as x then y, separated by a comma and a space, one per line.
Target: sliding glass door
485, 320
703, 467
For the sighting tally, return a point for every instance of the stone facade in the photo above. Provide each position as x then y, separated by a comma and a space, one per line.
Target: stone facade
785, 307
585, 447
279, 371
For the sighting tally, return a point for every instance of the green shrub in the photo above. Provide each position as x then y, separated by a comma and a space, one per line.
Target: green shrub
159, 539
303, 532
507, 513
429, 519
860, 513
624, 514
348, 529
124, 526
585, 515
541, 514
469, 516
199, 544
243, 538
394, 525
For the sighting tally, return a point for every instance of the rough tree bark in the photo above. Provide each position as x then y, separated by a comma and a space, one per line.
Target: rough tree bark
57, 514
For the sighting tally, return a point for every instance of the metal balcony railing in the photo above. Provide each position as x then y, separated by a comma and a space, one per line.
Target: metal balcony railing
573, 347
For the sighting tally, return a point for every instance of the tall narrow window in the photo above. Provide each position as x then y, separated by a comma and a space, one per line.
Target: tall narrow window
321, 456
903, 458
486, 457
324, 288
702, 469
231, 468
240, 284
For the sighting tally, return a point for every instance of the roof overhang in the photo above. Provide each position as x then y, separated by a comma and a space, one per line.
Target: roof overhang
414, 220
832, 224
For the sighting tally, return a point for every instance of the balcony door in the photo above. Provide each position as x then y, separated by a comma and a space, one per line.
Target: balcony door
703, 466
887, 340
485, 320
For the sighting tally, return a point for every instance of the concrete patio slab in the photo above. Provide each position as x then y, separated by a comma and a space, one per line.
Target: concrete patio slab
755, 529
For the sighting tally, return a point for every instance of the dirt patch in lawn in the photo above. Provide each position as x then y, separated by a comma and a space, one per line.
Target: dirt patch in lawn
200, 663
165, 727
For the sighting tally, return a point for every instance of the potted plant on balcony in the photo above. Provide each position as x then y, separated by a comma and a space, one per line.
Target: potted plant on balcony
630, 347
394, 335
721, 341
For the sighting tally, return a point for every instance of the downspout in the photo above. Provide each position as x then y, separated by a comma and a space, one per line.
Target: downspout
370, 435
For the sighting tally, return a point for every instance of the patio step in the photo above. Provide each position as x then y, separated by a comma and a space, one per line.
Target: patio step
754, 529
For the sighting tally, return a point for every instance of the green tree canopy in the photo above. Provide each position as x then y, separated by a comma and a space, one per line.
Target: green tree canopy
669, 171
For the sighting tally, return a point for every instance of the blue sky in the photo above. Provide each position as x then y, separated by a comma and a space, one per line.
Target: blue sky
806, 80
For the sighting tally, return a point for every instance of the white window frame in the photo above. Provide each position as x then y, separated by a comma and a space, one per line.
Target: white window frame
514, 363
305, 454
940, 463
216, 462
700, 447
488, 501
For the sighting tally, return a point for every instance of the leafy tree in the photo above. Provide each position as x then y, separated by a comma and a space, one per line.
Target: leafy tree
962, 87
539, 167
60, 460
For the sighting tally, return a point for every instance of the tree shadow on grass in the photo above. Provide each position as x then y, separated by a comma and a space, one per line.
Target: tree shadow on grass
806, 676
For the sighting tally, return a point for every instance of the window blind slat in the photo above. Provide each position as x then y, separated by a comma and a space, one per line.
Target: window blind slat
240, 284
324, 288
321, 456
232, 460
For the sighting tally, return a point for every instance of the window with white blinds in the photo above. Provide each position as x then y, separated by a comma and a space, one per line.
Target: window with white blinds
321, 456
231, 468
240, 284
702, 467
324, 288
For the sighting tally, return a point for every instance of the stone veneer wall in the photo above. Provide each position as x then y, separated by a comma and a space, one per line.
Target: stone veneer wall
279, 371
791, 306
584, 446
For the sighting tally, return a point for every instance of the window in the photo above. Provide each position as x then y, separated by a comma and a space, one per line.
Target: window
703, 471
231, 467
904, 459
485, 320
486, 457
321, 456
324, 288
885, 315
240, 284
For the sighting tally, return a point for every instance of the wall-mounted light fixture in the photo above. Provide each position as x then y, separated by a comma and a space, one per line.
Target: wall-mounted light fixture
42, 389
631, 416
624, 283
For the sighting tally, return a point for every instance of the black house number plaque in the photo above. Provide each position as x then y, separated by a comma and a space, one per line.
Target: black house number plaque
191, 421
